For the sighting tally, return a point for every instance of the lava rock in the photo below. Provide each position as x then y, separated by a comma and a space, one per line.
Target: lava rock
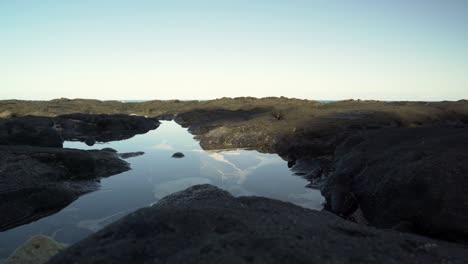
30, 130
109, 150
131, 154
90, 141
204, 224
104, 128
178, 155
414, 177
36, 182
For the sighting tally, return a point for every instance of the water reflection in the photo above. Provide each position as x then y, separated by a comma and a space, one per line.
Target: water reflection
155, 175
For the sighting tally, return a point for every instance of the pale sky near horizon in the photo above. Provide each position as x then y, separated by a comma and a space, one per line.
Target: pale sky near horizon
312, 49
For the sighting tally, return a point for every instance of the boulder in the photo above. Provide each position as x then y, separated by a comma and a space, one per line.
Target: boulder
36, 182
51, 132
30, 130
411, 177
204, 224
92, 128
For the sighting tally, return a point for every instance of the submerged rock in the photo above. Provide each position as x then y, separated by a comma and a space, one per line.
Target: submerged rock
412, 177
204, 224
178, 155
37, 250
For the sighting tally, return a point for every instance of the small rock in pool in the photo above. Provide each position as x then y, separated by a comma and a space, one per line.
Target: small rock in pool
90, 141
178, 155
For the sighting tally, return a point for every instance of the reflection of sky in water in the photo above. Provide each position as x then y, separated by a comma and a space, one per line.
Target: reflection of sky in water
155, 175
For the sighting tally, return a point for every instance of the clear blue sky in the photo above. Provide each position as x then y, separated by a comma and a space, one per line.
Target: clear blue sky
134, 49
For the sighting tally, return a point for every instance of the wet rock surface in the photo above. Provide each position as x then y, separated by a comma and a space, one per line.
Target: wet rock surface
204, 224
36, 181
414, 178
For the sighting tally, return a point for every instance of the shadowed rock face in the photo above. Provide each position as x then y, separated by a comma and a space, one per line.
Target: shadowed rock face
30, 130
51, 132
414, 178
38, 177
36, 182
104, 128
204, 224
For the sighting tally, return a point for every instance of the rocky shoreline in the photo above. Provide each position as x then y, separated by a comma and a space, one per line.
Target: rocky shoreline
39, 177
392, 165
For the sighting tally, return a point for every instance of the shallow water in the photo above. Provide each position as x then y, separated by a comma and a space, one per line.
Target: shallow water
155, 175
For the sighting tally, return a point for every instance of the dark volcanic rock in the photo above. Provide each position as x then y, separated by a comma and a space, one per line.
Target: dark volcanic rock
291, 127
204, 224
90, 141
178, 155
109, 150
30, 130
131, 154
412, 177
90, 128
36, 182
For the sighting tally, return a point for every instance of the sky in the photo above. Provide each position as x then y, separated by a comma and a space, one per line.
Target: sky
205, 49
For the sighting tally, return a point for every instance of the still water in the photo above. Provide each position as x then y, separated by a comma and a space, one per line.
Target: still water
155, 175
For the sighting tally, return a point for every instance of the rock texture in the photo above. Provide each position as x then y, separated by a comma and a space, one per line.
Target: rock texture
204, 224
38, 177
30, 130
380, 166
52, 132
291, 127
36, 182
103, 128
412, 178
